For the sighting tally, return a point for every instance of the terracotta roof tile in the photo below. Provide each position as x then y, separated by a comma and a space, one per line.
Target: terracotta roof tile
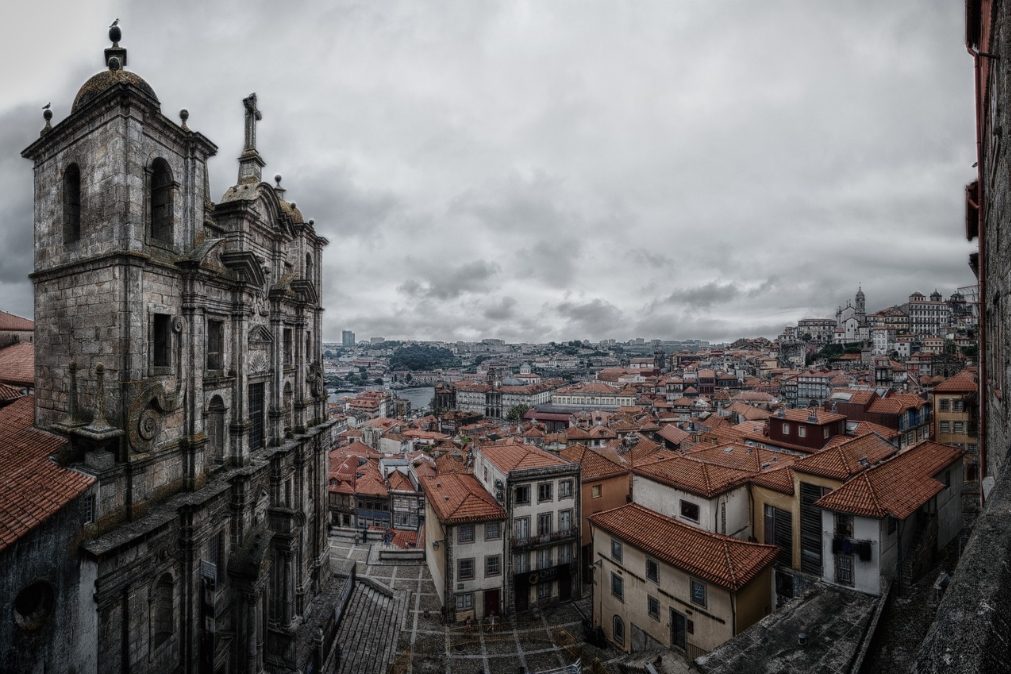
17, 364
717, 559
847, 459
704, 479
34, 487
897, 487
14, 323
9, 393
593, 465
460, 498
672, 433
515, 455
965, 381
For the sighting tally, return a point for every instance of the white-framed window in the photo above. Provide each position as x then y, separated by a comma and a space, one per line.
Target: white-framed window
616, 550
595, 491
698, 593
465, 533
786, 429
652, 570
564, 520
653, 607
544, 523
465, 569
464, 601
521, 562
689, 510
522, 494
801, 431
618, 586
492, 531
544, 491
565, 489
493, 565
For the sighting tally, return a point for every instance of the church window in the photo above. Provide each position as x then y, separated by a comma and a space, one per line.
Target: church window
163, 610
308, 347
308, 267
161, 201
216, 429
71, 204
288, 414
161, 340
288, 358
215, 344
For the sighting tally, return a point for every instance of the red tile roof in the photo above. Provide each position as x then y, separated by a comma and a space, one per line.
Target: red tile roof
897, 487
593, 465
399, 482
17, 364
13, 323
9, 393
896, 403
721, 560
704, 479
803, 415
964, 382
515, 455
672, 433
460, 498
847, 459
34, 487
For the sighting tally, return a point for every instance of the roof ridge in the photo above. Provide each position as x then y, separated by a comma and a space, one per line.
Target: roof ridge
730, 563
873, 492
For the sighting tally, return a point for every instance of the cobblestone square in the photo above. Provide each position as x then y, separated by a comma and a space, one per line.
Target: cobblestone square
537, 641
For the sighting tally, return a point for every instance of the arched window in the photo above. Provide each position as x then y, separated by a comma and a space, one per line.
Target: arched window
288, 410
308, 267
163, 610
308, 348
618, 630
161, 201
71, 204
216, 429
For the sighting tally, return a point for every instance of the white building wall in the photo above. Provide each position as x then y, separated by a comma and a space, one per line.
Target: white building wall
667, 501
866, 575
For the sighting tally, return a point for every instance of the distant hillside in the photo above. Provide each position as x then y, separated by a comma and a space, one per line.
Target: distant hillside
422, 357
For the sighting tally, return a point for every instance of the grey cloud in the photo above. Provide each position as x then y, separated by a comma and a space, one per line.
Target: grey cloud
426, 138
704, 296
502, 310
446, 283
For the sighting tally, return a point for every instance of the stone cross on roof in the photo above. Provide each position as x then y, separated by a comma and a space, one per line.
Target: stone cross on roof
250, 161
253, 115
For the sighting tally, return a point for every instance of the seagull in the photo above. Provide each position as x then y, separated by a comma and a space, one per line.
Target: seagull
114, 23
46, 106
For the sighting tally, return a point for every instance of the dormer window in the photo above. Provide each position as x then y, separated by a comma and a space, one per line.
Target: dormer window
161, 201
72, 204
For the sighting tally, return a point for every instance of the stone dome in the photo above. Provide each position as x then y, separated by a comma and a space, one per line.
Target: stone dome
106, 80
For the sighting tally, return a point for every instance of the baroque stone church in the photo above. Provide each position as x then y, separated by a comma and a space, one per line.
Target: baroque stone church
178, 352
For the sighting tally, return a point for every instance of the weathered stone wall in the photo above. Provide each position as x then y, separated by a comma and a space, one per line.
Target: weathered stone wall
996, 166
47, 554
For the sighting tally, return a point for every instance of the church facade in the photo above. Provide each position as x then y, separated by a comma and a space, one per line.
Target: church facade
178, 351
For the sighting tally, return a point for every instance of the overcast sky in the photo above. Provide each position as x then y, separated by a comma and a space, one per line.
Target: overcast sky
546, 170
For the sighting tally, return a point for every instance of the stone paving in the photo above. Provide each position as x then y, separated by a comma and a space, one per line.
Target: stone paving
548, 640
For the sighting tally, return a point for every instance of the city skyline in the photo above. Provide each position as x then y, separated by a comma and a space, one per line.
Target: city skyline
543, 173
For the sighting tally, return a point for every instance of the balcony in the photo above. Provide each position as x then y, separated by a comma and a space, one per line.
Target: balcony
544, 539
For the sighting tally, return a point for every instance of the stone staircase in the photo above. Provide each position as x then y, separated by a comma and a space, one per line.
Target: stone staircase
370, 628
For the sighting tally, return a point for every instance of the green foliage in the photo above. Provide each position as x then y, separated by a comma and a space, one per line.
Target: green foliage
971, 352
516, 412
422, 357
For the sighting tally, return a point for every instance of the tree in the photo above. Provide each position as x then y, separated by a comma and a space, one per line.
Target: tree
517, 411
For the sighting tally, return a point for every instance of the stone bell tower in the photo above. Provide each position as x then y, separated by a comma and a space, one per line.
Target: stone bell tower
120, 195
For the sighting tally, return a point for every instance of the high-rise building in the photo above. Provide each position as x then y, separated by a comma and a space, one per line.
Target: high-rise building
347, 338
